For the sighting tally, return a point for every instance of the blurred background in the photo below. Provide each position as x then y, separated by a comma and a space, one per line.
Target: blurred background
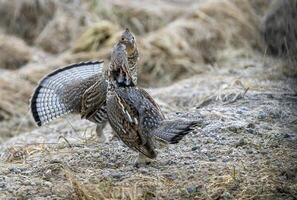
177, 39
205, 47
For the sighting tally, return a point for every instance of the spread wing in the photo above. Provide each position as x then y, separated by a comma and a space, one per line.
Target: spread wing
93, 98
59, 92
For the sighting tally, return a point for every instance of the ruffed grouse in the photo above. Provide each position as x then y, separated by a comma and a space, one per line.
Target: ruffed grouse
79, 89
134, 115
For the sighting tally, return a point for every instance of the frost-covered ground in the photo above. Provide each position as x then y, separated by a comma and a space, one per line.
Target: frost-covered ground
203, 60
244, 148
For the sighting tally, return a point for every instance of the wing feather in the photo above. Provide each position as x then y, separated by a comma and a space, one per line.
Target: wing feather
93, 98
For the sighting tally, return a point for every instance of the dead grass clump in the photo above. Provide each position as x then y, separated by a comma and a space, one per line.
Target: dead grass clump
80, 191
187, 45
135, 187
260, 7
51, 25
279, 31
14, 104
20, 153
26, 18
14, 96
289, 68
140, 17
14, 53
97, 36
279, 28
141, 187
59, 33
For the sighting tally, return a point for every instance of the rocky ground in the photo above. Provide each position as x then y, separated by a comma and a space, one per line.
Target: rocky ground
244, 147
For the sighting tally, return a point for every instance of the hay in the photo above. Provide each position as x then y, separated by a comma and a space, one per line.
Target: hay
191, 43
279, 30
14, 104
97, 36
80, 191
14, 96
14, 53
51, 25
26, 18
141, 17
59, 33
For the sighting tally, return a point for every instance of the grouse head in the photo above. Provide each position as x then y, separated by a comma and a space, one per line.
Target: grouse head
129, 41
119, 72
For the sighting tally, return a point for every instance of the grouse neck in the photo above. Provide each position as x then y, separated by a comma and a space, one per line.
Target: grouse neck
132, 62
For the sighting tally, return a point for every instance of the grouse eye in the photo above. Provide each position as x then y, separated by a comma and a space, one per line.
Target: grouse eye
123, 38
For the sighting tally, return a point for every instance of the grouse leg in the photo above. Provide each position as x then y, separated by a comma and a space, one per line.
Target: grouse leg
142, 161
99, 131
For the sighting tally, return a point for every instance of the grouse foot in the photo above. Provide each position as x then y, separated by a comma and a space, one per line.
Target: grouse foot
142, 161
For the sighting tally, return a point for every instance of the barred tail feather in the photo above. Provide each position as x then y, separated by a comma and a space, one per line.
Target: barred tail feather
172, 131
46, 106
46, 102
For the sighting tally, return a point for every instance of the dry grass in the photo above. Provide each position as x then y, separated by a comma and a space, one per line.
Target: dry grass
191, 43
136, 187
14, 53
51, 25
18, 154
279, 30
12, 98
100, 35
26, 18
184, 43
81, 192
244, 148
59, 33
140, 17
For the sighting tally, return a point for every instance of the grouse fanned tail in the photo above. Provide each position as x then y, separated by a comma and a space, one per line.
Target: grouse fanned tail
59, 92
172, 131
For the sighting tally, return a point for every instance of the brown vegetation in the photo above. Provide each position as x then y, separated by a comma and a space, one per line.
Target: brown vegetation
279, 30
14, 53
244, 148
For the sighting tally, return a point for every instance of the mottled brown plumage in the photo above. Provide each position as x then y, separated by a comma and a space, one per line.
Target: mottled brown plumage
79, 89
132, 112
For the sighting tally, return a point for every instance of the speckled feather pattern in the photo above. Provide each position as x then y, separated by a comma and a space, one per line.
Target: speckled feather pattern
133, 113
79, 88
136, 118
59, 92
123, 116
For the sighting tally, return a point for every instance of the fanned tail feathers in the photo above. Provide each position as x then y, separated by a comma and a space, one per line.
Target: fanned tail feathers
46, 102
172, 131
